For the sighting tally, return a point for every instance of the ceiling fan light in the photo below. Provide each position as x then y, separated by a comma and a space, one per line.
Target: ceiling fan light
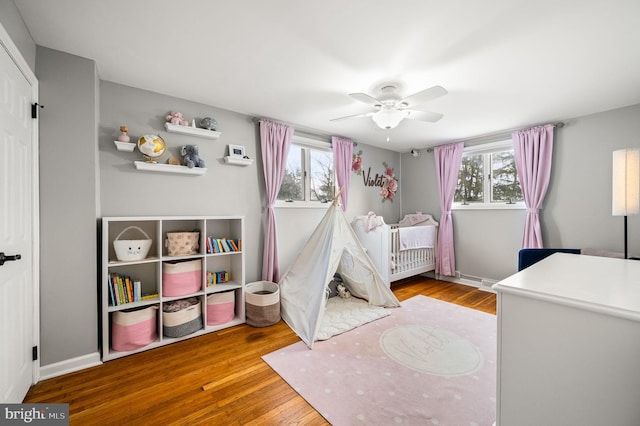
389, 118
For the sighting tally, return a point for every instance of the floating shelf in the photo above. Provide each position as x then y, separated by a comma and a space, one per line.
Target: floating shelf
125, 146
238, 161
192, 131
169, 168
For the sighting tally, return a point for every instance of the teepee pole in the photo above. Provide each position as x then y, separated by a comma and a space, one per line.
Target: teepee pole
337, 197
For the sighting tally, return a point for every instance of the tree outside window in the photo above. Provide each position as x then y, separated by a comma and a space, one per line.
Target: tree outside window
488, 177
309, 176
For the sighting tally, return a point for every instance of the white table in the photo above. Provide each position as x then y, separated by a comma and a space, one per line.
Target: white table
569, 343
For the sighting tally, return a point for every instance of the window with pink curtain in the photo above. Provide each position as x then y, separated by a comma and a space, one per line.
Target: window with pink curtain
447, 159
533, 149
275, 140
342, 157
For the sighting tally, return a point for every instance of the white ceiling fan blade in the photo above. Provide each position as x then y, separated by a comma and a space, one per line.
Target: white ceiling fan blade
366, 114
369, 100
429, 116
423, 96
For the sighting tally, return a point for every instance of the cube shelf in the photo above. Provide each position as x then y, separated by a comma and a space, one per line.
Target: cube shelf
119, 294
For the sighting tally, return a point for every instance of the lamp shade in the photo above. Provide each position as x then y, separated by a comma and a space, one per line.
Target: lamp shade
389, 118
626, 182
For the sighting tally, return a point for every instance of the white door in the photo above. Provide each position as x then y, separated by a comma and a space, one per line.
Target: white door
17, 231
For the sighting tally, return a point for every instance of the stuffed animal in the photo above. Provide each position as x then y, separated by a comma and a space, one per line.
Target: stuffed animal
177, 119
343, 292
190, 156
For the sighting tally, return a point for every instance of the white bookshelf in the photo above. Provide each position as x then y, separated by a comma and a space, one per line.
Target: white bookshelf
149, 270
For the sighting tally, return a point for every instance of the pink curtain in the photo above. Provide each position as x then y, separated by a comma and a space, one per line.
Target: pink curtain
447, 158
342, 153
275, 139
533, 150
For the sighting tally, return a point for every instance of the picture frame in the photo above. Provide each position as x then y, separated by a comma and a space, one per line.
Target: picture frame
236, 151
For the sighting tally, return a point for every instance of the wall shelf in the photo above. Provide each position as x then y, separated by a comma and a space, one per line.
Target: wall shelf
125, 146
192, 131
169, 168
238, 161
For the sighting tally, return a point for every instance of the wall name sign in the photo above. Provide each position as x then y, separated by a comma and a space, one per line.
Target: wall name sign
377, 180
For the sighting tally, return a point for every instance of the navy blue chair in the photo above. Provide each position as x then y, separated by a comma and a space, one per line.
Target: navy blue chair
529, 256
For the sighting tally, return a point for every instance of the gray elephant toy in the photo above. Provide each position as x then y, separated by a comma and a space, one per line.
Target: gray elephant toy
190, 156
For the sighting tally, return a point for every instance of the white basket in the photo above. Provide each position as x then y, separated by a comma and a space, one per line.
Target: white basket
131, 249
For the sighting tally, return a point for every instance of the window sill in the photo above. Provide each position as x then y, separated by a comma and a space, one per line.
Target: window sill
495, 206
302, 205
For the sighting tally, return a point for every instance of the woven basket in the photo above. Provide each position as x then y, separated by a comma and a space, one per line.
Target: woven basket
133, 328
180, 278
221, 307
262, 303
182, 322
131, 249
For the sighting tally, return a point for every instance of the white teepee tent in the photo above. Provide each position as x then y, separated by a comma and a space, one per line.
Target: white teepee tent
333, 247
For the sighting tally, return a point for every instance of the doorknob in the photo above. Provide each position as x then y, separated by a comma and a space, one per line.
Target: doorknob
4, 258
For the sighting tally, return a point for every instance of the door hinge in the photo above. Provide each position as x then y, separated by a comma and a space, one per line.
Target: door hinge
34, 109
34, 353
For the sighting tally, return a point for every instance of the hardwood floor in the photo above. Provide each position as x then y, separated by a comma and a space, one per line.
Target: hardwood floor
214, 379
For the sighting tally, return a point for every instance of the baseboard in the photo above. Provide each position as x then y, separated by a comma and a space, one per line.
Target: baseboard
484, 284
70, 365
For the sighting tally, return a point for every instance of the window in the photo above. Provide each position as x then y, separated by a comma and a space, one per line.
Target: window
488, 178
309, 178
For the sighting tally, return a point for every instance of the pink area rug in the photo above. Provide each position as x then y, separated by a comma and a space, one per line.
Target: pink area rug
428, 363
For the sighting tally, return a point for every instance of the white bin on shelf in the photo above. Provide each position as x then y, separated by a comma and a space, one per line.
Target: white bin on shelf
131, 249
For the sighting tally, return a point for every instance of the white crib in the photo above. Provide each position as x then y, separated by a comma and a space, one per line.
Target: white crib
382, 244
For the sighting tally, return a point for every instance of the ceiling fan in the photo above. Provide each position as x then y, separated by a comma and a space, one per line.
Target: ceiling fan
391, 108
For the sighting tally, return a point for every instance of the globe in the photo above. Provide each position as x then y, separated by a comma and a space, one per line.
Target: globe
152, 147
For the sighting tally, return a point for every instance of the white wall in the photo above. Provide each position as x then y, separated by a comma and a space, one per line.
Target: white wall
575, 214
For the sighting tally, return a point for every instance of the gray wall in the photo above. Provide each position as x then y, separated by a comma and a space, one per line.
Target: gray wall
223, 190
14, 25
68, 205
577, 209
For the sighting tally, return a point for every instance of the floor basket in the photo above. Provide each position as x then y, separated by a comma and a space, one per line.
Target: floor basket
262, 303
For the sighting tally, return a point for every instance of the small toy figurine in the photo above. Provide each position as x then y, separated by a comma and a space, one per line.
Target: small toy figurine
343, 292
191, 157
124, 137
177, 119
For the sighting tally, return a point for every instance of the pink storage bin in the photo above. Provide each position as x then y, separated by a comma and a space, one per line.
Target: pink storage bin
133, 328
180, 278
221, 307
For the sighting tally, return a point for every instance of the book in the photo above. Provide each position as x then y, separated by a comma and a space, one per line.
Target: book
124, 289
137, 293
111, 296
147, 296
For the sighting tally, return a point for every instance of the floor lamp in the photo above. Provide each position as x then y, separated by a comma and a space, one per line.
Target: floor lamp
626, 186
